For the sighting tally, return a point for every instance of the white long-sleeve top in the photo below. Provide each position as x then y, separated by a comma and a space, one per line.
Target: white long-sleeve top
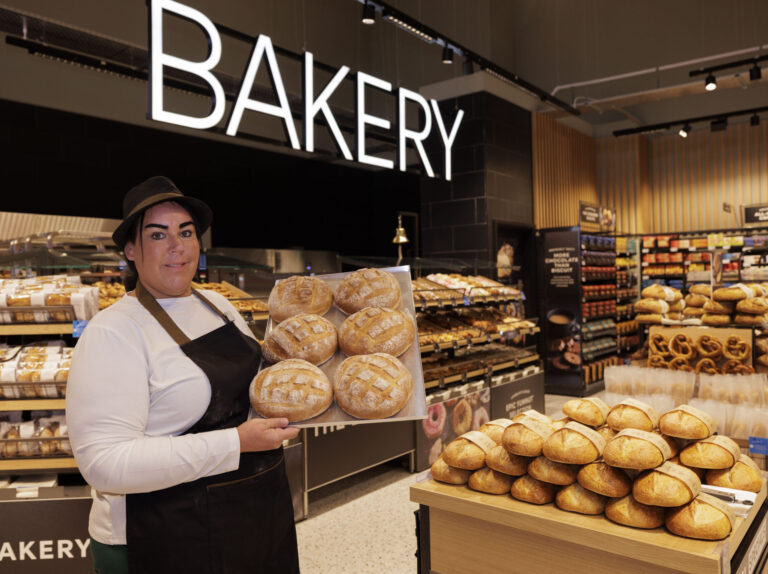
131, 392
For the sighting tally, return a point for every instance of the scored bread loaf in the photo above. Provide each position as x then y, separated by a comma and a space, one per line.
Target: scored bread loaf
376, 330
499, 459
634, 414
629, 512
495, 429
744, 475
606, 432
525, 437
545, 470
533, 414
528, 489
372, 386
469, 451
575, 443
705, 517
604, 479
367, 288
714, 452
443, 472
687, 422
576, 498
671, 443
662, 292
308, 337
590, 411
293, 388
697, 471
297, 295
636, 449
490, 481
668, 485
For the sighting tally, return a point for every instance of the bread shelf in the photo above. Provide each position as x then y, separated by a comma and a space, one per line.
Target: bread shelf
33, 405
37, 329
479, 372
27, 464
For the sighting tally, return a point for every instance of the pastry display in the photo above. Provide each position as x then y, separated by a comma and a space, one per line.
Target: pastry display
308, 337
293, 388
299, 295
376, 330
367, 288
372, 386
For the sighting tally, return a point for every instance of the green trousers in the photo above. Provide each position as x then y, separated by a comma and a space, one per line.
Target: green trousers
109, 558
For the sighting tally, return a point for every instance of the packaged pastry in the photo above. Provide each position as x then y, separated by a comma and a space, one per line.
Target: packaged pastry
545, 470
604, 479
629, 512
528, 489
495, 429
311, 338
367, 288
714, 452
705, 518
590, 411
574, 444
376, 330
636, 449
744, 475
634, 414
469, 451
372, 386
687, 422
293, 388
576, 498
667, 485
525, 437
444, 473
501, 460
490, 481
299, 295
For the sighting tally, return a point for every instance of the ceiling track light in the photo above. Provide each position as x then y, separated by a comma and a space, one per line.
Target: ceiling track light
755, 73
683, 133
408, 28
754, 121
447, 55
710, 84
718, 125
369, 14
718, 122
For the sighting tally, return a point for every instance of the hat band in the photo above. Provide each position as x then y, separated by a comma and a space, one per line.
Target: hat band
152, 200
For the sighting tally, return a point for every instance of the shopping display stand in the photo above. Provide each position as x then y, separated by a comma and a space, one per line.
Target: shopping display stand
461, 530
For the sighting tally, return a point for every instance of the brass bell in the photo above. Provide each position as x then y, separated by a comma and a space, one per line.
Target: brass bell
400, 236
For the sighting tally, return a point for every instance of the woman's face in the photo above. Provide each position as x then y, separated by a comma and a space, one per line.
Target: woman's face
167, 255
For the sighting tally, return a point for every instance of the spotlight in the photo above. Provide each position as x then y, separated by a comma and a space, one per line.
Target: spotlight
447, 55
754, 120
710, 83
369, 14
755, 73
718, 125
467, 68
683, 133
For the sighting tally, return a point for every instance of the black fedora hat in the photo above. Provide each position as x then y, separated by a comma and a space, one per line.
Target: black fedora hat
151, 192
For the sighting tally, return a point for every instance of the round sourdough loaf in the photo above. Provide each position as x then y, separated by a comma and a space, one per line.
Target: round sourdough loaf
376, 330
299, 294
294, 389
309, 337
372, 386
367, 288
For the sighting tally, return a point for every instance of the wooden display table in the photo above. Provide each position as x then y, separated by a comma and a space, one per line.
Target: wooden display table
466, 531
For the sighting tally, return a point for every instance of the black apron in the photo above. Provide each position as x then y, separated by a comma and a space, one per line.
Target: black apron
236, 522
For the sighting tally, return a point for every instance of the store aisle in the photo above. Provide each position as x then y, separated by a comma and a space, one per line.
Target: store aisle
361, 525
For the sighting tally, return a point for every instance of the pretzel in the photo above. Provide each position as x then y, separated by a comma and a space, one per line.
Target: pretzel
736, 348
735, 367
658, 345
680, 364
706, 365
681, 346
709, 347
657, 362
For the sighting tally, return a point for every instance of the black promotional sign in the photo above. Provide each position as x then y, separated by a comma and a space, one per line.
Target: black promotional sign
755, 215
513, 396
561, 320
596, 219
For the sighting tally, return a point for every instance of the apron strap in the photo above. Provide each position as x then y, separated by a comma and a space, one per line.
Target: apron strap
213, 307
154, 308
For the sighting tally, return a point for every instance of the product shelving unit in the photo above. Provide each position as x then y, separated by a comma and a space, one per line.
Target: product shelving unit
627, 293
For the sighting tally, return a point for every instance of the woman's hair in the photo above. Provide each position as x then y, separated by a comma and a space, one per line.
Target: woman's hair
134, 235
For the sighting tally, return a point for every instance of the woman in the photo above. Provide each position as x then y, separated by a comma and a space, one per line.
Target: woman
157, 403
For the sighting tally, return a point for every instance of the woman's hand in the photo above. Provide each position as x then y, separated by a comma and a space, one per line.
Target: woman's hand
264, 434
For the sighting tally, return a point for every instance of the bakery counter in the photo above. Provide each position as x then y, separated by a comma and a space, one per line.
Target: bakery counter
461, 530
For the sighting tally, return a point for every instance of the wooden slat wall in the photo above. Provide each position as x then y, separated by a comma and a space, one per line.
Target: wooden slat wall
564, 172
665, 183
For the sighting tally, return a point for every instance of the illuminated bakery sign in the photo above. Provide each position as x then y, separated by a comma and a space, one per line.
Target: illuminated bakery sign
313, 106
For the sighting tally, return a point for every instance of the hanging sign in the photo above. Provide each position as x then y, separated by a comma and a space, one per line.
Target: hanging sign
313, 105
755, 215
596, 219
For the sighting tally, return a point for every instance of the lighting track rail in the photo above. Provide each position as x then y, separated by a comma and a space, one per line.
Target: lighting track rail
688, 121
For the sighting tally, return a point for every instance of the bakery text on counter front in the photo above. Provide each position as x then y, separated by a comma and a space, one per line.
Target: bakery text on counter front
312, 106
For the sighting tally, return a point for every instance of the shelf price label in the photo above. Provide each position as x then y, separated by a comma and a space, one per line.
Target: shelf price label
77, 328
758, 445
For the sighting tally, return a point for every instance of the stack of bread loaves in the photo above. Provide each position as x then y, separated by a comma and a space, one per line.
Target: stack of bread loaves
370, 383
624, 461
659, 302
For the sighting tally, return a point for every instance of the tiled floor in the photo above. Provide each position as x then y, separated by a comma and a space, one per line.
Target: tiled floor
365, 524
